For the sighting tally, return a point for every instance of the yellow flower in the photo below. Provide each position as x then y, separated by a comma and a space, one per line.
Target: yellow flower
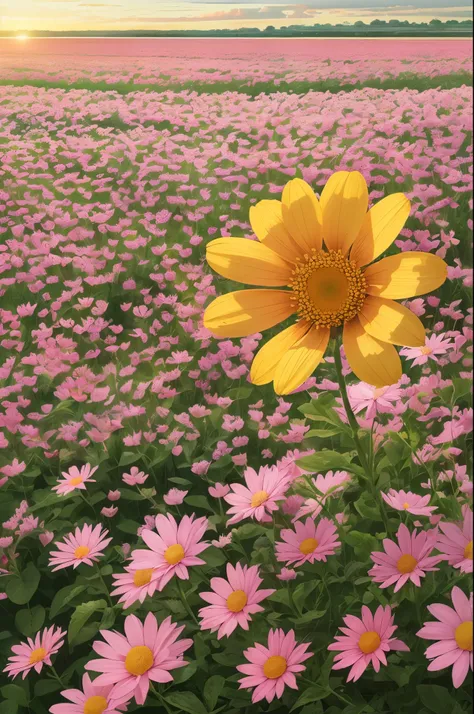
335, 286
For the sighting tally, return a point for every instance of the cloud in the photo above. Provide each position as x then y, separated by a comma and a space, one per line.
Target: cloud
346, 4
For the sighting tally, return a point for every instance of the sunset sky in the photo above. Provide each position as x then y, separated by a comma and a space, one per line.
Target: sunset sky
24, 15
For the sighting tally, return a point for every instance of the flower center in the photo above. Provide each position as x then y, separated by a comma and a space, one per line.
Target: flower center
406, 564
463, 635
327, 288
81, 551
174, 554
38, 655
379, 392
139, 660
274, 667
95, 705
468, 551
406, 505
426, 350
308, 546
237, 601
75, 481
258, 498
142, 577
369, 642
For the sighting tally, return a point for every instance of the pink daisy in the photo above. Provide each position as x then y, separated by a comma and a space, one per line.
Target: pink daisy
274, 666
34, 653
75, 478
173, 549
146, 652
260, 496
308, 542
135, 585
434, 345
456, 543
93, 699
410, 502
454, 634
326, 486
82, 546
366, 640
409, 560
233, 601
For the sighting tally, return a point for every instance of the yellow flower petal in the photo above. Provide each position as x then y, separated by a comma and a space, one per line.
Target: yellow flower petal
267, 358
246, 312
381, 226
374, 362
344, 202
266, 219
389, 321
301, 360
302, 215
405, 275
247, 261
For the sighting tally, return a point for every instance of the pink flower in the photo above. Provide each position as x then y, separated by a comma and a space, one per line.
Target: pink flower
287, 574
456, 543
6, 541
233, 601
135, 477
82, 546
16, 467
135, 585
260, 496
93, 699
407, 561
200, 468
326, 486
174, 497
308, 542
375, 400
173, 549
46, 538
272, 668
408, 501
366, 640
34, 653
109, 511
222, 541
453, 633
75, 478
146, 652
219, 490
434, 345
114, 495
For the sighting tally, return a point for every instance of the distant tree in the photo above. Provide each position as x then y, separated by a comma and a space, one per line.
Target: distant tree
394, 23
452, 22
359, 23
270, 28
436, 22
378, 23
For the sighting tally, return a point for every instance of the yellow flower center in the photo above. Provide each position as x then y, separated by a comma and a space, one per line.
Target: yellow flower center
406, 564
308, 546
406, 505
258, 498
75, 481
237, 601
379, 392
468, 551
81, 551
426, 350
38, 655
95, 705
327, 288
369, 642
274, 667
174, 554
463, 635
142, 577
139, 660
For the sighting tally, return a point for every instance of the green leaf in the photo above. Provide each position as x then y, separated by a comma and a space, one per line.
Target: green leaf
81, 615
239, 393
46, 686
436, 699
312, 694
322, 433
186, 702
128, 526
367, 507
363, 543
63, 597
199, 502
213, 557
212, 690
16, 694
28, 622
327, 461
128, 457
21, 588
129, 495
8, 707
310, 616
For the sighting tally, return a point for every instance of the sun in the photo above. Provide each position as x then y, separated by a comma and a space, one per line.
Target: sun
22, 37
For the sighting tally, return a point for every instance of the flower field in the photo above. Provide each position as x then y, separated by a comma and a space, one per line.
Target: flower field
190, 521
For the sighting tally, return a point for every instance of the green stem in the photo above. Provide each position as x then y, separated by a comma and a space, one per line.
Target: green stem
185, 602
339, 696
57, 677
160, 698
104, 586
